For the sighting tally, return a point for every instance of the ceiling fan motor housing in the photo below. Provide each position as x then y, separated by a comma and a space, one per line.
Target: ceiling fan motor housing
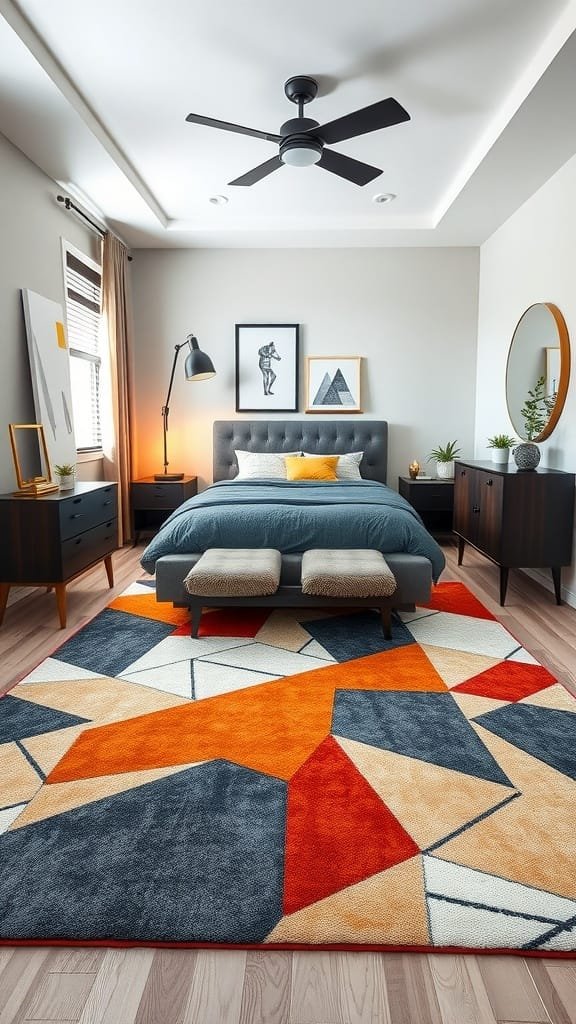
300, 150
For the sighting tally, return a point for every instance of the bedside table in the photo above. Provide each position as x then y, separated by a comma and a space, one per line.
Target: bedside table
432, 499
153, 501
49, 540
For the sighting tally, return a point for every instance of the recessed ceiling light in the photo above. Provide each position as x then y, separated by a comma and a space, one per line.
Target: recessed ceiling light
218, 200
384, 197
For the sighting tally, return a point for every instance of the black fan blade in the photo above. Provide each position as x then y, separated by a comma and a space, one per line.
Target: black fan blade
370, 119
346, 167
227, 126
257, 173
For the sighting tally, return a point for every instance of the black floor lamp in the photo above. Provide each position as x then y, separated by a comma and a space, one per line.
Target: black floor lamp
198, 366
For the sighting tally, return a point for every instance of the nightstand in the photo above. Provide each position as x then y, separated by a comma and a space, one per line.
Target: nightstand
432, 499
49, 540
153, 501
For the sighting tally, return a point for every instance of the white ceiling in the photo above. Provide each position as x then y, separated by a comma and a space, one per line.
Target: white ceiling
98, 98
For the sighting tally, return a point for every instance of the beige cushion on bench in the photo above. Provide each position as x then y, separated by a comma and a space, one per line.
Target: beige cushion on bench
354, 573
235, 572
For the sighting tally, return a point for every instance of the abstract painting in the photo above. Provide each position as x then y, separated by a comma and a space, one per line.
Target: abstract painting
50, 372
333, 384
267, 367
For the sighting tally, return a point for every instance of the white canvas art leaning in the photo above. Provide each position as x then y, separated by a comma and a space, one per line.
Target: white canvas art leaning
50, 372
333, 384
267, 367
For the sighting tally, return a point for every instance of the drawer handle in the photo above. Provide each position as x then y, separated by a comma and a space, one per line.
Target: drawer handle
489, 483
79, 541
77, 501
462, 472
107, 503
77, 515
475, 509
107, 490
109, 524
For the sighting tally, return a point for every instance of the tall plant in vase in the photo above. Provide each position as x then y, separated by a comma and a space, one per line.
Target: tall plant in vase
535, 412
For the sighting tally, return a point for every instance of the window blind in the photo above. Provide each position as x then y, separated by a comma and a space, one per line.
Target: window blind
83, 313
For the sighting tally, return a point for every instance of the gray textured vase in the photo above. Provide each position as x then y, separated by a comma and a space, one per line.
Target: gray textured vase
526, 456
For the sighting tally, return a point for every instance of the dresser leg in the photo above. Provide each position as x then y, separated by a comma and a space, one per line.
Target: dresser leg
461, 546
556, 574
4, 591
60, 589
109, 570
503, 582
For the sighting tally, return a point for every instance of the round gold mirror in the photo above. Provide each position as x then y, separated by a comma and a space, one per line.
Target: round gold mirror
538, 371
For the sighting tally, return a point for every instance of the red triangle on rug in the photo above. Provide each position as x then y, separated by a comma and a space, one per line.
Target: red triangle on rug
455, 597
242, 622
338, 830
509, 680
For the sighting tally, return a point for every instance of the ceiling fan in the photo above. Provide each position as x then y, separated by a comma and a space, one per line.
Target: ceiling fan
302, 140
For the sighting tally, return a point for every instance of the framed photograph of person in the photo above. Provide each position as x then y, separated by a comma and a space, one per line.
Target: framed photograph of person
267, 367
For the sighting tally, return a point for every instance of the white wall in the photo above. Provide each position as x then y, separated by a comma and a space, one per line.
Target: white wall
31, 226
411, 312
531, 258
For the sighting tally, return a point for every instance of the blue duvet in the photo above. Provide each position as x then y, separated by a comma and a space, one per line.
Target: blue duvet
293, 517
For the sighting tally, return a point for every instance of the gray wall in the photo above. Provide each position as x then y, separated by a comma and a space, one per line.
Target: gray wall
31, 226
412, 313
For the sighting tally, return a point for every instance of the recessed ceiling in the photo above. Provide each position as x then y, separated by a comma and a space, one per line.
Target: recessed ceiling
99, 98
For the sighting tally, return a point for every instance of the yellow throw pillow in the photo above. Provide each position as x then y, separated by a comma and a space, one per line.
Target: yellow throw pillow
323, 468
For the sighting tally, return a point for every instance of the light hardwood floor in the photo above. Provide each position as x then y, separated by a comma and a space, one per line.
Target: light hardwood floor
148, 986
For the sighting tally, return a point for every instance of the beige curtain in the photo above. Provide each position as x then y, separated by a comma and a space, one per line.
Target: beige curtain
117, 317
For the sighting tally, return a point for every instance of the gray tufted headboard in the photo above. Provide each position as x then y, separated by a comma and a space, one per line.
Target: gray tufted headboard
334, 437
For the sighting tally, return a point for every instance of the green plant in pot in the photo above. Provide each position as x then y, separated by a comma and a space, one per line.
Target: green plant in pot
535, 412
65, 476
444, 456
501, 445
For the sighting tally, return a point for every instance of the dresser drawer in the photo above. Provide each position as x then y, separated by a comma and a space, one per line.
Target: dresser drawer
150, 496
432, 497
80, 512
79, 552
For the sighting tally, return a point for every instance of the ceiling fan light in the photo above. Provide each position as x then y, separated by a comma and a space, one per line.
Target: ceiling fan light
300, 152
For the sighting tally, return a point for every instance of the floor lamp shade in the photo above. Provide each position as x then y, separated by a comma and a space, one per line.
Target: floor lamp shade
198, 366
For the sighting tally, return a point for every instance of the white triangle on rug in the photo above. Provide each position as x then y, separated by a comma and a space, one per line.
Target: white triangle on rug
180, 648
51, 670
211, 680
452, 924
524, 656
418, 613
263, 658
8, 815
464, 633
468, 886
315, 650
564, 940
137, 589
175, 678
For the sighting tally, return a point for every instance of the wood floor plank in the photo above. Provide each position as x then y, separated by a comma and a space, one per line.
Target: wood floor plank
216, 993
315, 992
76, 961
168, 987
362, 986
561, 997
511, 990
60, 997
18, 981
266, 994
411, 995
118, 986
462, 996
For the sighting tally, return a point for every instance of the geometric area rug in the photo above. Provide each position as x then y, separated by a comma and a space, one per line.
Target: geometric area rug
290, 779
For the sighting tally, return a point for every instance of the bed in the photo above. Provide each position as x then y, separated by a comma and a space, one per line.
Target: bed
292, 517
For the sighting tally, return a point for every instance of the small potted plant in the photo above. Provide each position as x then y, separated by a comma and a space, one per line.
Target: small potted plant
444, 456
501, 445
65, 476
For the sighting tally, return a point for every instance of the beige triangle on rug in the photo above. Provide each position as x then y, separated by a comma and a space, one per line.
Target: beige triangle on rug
100, 700
456, 666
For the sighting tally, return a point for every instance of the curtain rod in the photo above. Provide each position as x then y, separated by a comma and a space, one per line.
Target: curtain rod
69, 205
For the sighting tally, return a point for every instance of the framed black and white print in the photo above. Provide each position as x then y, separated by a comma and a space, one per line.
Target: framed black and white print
333, 384
267, 367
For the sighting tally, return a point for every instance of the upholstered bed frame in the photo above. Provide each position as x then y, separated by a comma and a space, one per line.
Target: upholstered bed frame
335, 436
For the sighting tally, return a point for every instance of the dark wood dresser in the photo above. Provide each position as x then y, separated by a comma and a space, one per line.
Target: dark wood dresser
48, 541
518, 519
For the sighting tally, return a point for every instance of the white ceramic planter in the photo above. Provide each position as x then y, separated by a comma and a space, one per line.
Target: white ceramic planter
500, 456
65, 483
445, 470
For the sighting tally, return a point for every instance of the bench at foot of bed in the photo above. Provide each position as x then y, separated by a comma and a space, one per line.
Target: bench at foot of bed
243, 575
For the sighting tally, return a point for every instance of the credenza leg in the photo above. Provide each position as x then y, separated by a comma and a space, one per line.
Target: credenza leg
461, 546
60, 589
4, 591
556, 574
109, 570
503, 582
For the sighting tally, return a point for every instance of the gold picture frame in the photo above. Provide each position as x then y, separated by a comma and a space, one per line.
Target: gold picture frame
333, 384
41, 483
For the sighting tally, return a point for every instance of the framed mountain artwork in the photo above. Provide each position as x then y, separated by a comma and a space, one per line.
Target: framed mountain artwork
333, 384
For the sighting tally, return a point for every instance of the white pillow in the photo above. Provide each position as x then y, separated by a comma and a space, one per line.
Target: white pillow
258, 465
347, 467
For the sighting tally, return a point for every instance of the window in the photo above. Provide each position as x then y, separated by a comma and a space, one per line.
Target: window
83, 282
